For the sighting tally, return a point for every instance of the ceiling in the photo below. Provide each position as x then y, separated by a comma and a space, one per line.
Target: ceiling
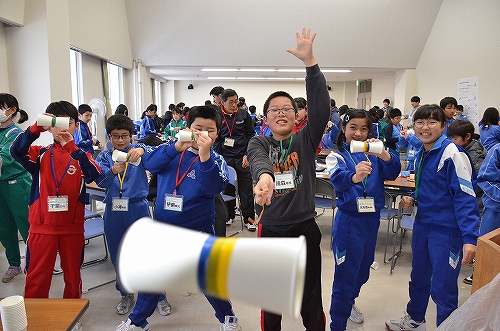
372, 38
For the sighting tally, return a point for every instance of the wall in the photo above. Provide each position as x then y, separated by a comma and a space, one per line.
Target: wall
463, 43
383, 88
4, 78
12, 12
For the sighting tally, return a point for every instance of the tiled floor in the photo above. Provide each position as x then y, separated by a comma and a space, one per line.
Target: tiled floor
383, 297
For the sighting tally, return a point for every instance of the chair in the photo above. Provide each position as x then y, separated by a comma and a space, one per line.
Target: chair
325, 198
94, 227
405, 223
233, 180
389, 213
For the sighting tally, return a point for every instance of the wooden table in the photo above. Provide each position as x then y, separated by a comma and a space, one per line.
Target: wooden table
54, 314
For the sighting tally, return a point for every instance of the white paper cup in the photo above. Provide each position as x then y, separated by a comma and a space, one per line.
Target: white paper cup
119, 156
185, 135
361, 146
58, 122
181, 260
13, 313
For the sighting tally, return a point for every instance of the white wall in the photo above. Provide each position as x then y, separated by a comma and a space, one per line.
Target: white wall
463, 43
4, 78
383, 88
12, 11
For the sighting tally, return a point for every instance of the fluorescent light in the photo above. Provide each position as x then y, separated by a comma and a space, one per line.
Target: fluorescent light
219, 69
255, 78
336, 70
269, 70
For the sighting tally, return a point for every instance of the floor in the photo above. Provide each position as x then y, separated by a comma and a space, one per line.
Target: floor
383, 297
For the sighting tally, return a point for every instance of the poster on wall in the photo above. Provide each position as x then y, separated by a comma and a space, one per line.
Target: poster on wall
468, 90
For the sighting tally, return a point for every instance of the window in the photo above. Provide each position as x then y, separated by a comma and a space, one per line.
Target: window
115, 79
76, 77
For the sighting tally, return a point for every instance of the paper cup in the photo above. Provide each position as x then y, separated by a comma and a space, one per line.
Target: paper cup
119, 156
185, 135
13, 313
181, 260
58, 122
361, 146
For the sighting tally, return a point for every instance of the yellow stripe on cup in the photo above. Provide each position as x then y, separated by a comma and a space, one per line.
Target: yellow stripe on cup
366, 147
218, 267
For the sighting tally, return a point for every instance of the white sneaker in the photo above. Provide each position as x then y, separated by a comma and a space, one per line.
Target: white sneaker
230, 221
356, 315
127, 326
164, 307
126, 302
405, 323
251, 227
230, 324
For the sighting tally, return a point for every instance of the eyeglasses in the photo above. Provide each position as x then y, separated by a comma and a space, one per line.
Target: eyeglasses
420, 124
280, 110
117, 137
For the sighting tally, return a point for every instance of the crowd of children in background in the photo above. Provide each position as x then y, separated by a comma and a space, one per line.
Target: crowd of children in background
440, 146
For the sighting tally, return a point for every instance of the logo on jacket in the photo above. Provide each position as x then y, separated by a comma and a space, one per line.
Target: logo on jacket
71, 170
192, 174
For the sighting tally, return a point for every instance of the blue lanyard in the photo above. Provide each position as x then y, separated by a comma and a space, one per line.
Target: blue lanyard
54, 172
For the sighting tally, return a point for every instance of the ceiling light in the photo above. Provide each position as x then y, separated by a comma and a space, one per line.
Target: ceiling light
269, 70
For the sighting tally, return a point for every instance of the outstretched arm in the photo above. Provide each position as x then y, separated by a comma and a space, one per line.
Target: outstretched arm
304, 50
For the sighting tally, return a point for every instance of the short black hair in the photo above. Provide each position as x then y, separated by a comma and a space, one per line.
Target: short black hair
415, 99
279, 94
152, 107
431, 111
63, 109
460, 129
333, 104
84, 108
387, 101
395, 112
227, 93
177, 110
301, 102
460, 107
181, 104
217, 90
252, 109
119, 122
447, 101
206, 112
121, 110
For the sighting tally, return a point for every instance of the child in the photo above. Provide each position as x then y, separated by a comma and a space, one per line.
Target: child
382, 124
358, 180
287, 157
15, 184
190, 174
83, 137
449, 105
445, 228
175, 125
301, 115
147, 124
461, 133
57, 198
126, 190
459, 113
392, 132
489, 129
489, 180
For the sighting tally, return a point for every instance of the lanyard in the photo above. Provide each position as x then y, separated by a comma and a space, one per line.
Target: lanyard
122, 179
54, 171
179, 180
366, 178
285, 155
88, 130
419, 173
230, 129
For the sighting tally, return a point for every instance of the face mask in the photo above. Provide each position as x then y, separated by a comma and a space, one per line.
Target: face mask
3, 117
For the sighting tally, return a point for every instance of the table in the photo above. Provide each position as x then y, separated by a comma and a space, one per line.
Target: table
54, 314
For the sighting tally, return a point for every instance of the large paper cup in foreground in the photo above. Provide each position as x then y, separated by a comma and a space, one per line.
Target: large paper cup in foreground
155, 257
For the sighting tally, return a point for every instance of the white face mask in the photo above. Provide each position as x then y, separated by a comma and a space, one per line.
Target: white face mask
3, 118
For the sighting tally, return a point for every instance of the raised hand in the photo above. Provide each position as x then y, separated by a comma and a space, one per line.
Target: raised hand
304, 50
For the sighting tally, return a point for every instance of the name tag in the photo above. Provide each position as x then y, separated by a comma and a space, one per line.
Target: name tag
411, 153
119, 204
366, 205
283, 181
56, 204
229, 142
173, 202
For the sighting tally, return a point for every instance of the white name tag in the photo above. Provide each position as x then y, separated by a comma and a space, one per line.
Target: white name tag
366, 205
56, 204
173, 202
229, 142
119, 204
283, 181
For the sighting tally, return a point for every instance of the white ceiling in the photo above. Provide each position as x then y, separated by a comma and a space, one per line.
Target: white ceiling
373, 38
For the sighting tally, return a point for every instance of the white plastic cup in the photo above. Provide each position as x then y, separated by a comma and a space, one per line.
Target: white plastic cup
185, 135
362, 146
13, 312
58, 122
119, 156
410, 131
170, 260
